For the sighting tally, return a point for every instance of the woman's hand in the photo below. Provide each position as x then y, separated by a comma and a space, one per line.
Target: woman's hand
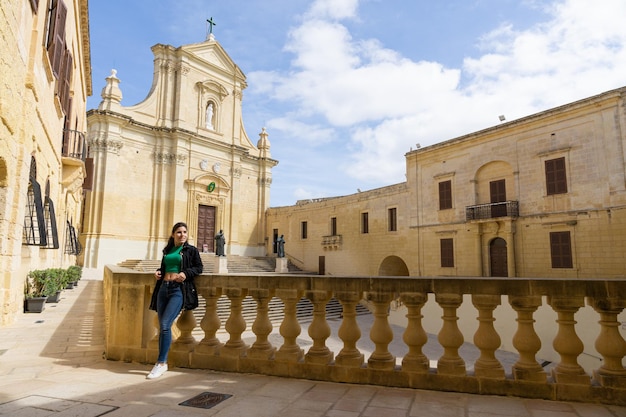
181, 277
157, 274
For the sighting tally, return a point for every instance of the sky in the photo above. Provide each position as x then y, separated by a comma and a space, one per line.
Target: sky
345, 88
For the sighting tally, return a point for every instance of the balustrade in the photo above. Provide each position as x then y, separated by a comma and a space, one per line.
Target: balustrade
533, 305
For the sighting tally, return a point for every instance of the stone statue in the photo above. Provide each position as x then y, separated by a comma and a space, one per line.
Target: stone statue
280, 243
209, 116
220, 241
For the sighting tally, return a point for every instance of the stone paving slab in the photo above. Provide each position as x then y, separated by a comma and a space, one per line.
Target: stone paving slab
51, 364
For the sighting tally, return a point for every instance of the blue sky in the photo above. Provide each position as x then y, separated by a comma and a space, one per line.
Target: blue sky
346, 87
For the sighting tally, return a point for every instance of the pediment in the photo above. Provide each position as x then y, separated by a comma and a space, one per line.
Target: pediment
211, 52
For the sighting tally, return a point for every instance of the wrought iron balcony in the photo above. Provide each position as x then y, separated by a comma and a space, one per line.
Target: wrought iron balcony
74, 145
492, 210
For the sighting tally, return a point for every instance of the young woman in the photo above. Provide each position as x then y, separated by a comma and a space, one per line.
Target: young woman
174, 290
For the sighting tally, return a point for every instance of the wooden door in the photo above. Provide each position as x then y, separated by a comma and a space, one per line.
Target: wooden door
206, 228
497, 255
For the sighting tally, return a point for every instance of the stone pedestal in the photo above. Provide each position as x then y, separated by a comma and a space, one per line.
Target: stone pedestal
281, 265
221, 265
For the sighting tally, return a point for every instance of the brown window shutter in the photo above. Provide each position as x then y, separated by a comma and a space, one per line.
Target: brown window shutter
445, 195
34, 4
57, 46
88, 181
447, 253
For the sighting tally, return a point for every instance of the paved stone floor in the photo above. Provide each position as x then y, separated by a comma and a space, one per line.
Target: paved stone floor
51, 364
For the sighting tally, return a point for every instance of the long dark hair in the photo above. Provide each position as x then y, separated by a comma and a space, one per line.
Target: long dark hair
170, 242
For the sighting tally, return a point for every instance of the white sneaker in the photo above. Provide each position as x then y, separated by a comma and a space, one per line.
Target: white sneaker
158, 370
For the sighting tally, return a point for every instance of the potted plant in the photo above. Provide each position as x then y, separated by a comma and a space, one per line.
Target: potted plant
74, 272
34, 297
55, 279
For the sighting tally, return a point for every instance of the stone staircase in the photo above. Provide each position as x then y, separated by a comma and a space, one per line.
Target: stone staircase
236, 264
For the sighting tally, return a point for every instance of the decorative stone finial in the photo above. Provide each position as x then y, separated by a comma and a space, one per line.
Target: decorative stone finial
111, 93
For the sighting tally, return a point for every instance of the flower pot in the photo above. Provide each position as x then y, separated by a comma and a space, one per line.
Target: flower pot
54, 298
69, 286
35, 304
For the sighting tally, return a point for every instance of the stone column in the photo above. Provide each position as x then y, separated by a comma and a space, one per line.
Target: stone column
290, 328
610, 343
349, 331
450, 337
414, 336
486, 338
235, 325
381, 333
262, 326
210, 323
526, 340
319, 330
567, 343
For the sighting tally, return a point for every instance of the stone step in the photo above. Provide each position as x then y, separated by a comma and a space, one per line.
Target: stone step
304, 311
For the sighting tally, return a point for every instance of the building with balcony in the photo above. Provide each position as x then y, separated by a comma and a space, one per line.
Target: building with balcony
182, 154
541, 196
45, 68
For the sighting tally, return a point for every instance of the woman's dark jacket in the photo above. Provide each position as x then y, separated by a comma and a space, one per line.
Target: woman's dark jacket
191, 265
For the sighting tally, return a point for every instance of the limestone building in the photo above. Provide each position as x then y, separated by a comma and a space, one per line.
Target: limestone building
182, 154
542, 196
45, 77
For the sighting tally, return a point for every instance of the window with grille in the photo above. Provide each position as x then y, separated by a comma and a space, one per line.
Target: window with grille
365, 226
72, 245
556, 178
393, 219
445, 195
447, 252
561, 249
34, 232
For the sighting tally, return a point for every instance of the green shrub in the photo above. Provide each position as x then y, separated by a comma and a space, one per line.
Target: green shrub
75, 272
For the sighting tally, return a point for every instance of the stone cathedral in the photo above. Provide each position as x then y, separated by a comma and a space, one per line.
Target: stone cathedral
182, 154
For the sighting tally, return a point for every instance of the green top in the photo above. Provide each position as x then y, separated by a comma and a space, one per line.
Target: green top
173, 260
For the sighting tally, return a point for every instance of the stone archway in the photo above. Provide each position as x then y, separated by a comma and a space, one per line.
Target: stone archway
393, 266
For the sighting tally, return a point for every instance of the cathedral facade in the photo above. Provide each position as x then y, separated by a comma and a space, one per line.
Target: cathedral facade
541, 196
182, 154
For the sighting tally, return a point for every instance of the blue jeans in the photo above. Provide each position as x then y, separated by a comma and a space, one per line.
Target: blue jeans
169, 305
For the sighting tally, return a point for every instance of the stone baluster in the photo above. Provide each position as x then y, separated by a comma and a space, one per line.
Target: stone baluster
262, 326
210, 323
381, 333
610, 343
290, 328
186, 323
414, 336
450, 337
487, 338
349, 331
235, 324
526, 340
319, 330
566, 342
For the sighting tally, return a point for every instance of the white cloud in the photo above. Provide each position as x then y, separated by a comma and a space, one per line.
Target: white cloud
385, 103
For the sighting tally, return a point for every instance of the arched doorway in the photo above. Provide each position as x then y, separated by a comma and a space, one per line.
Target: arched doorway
393, 266
497, 258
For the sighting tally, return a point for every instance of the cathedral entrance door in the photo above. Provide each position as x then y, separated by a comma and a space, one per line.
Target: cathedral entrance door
206, 228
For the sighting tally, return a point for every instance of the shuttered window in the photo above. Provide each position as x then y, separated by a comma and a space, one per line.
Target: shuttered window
447, 253
55, 41
561, 249
556, 179
365, 224
445, 195
304, 230
393, 219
